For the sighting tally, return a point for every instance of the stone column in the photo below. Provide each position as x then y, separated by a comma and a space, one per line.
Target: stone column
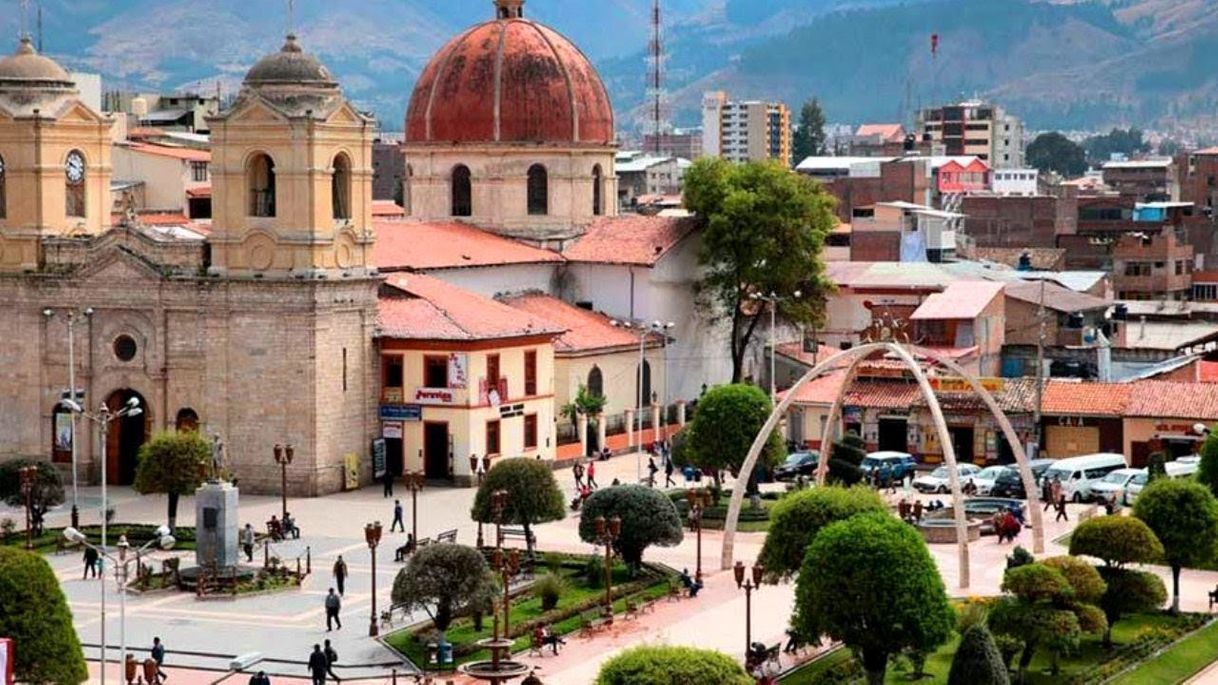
630, 427
600, 432
581, 426
655, 421
680, 412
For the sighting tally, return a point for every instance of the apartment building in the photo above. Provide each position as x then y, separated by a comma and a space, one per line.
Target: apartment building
748, 130
975, 128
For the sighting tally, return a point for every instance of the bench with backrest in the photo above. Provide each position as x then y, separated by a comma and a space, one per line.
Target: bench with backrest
518, 534
448, 537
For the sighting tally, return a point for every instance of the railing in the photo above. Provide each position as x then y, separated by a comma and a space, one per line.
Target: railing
567, 433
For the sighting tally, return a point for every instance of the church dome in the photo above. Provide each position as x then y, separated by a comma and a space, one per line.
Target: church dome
290, 66
27, 67
510, 80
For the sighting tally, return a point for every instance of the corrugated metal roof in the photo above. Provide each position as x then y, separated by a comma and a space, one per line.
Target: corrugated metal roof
960, 300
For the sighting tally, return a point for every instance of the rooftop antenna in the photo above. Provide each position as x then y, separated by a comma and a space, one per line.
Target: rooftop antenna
655, 79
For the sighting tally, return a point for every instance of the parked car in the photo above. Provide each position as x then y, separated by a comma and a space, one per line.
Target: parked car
985, 479
1113, 484
797, 464
1077, 474
939, 480
1180, 468
900, 464
1010, 484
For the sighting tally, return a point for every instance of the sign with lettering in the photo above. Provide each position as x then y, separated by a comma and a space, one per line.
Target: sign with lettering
1175, 428
458, 370
401, 412
435, 396
378, 454
956, 384
391, 430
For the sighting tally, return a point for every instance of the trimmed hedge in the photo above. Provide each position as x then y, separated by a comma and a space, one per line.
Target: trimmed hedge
665, 665
34, 612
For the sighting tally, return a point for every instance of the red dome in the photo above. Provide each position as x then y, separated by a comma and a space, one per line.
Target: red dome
512, 81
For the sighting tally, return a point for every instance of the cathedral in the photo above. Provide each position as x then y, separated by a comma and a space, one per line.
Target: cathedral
260, 327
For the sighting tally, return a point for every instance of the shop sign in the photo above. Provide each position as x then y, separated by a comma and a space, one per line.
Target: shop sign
391, 430
401, 412
852, 414
1186, 428
435, 396
378, 456
957, 384
392, 395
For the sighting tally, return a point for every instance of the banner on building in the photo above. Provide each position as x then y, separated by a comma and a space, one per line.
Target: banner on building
378, 457
391, 430
458, 370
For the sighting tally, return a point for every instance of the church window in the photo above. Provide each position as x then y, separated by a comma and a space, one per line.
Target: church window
340, 187
125, 348
260, 179
597, 208
596, 382
462, 192
539, 191
187, 420
74, 184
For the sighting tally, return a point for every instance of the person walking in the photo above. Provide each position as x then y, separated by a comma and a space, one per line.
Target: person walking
340, 574
90, 562
318, 665
590, 474
1061, 509
247, 542
260, 678
331, 657
668, 469
333, 604
158, 655
1046, 493
651, 472
577, 470
388, 482
397, 517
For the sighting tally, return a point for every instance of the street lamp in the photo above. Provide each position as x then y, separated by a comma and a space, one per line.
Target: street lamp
606, 533
283, 457
643, 330
162, 540
698, 500
27, 495
102, 419
748, 585
372, 535
72, 317
508, 565
414, 481
773, 301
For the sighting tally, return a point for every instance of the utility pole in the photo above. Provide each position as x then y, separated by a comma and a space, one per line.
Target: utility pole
1040, 365
655, 79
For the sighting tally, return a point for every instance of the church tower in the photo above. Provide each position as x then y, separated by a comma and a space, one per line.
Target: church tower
54, 160
291, 175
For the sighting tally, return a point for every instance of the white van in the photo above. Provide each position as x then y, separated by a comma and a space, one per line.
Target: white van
1078, 473
1180, 468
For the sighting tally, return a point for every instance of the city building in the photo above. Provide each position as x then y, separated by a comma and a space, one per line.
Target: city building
1199, 178
1023, 182
902, 232
879, 140
388, 170
682, 143
743, 131
974, 128
1143, 180
169, 111
170, 178
639, 174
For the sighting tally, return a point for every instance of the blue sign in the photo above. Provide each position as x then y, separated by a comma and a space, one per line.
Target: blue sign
401, 412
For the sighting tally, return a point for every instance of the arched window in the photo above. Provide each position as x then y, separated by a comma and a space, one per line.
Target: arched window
596, 382
3, 180
188, 420
646, 395
260, 180
597, 190
340, 187
539, 190
462, 192
74, 185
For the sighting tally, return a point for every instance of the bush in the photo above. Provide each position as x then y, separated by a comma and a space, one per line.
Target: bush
1019, 557
594, 572
549, 588
533, 495
797, 518
35, 615
648, 518
1184, 516
977, 660
1118, 540
662, 665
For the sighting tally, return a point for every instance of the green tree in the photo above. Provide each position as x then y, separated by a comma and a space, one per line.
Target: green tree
1057, 153
1128, 142
648, 517
666, 665
1184, 516
533, 496
47, 489
1041, 608
764, 229
809, 139
728, 419
977, 660
1207, 470
34, 613
870, 582
799, 516
845, 457
1121, 540
446, 581
173, 463
584, 402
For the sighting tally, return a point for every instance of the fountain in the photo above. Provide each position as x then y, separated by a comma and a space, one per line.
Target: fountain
500, 669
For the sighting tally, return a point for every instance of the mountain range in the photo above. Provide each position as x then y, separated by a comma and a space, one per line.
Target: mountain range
1060, 63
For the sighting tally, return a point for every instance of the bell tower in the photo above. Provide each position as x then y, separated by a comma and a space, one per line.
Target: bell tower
292, 174
509, 9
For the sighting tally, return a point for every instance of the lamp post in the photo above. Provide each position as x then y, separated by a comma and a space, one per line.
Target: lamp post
372, 535
415, 481
507, 563
71, 318
283, 457
606, 533
698, 500
27, 474
643, 331
102, 419
748, 585
499, 501
163, 540
773, 300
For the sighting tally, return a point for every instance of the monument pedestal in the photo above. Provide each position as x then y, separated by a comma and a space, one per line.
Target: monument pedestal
216, 525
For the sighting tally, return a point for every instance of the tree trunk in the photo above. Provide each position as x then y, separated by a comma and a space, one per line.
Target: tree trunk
1175, 589
875, 663
528, 540
173, 510
1025, 659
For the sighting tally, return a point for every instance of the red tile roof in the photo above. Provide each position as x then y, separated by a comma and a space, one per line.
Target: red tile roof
888, 132
882, 394
822, 390
1207, 371
1065, 397
795, 350
1173, 399
387, 208
586, 331
199, 191
630, 239
182, 153
154, 218
403, 245
960, 300
418, 307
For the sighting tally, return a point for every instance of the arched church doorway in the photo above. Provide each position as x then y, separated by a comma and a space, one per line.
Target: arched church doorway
125, 438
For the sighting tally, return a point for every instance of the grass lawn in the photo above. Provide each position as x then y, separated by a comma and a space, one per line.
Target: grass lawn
1090, 653
1179, 663
526, 608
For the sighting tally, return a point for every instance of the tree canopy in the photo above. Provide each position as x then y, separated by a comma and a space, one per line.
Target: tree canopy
35, 615
1184, 516
446, 581
671, 665
809, 139
1057, 153
648, 517
1127, 142
725, 425
47, 488
870, 582
796, 519
1117, 540
172, 463
764, 230
533, 495
1207, 470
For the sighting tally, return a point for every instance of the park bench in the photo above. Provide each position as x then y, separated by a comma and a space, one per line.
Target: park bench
593, 622
448, 537
518, 534
387, 614
772, 657
1213, 597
